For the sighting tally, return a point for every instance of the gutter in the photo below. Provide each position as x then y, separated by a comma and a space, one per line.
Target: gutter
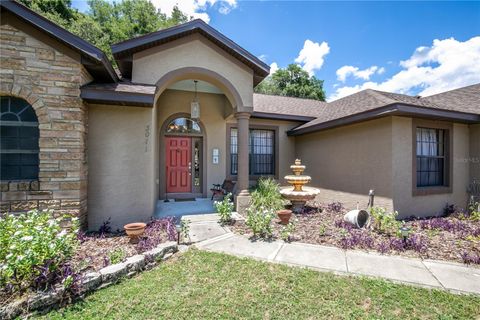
395, 109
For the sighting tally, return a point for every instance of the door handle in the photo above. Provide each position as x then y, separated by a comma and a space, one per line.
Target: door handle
190, 168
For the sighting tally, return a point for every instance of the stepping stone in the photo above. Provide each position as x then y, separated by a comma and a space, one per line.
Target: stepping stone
455, 276
242, 246
320, 257
200, 231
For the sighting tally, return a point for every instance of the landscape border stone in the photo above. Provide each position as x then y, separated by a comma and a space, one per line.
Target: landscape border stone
91, 281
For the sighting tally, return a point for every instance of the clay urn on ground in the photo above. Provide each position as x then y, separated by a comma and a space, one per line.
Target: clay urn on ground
135, 230
284, 215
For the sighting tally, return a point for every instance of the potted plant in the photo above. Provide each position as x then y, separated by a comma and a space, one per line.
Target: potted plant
135, 230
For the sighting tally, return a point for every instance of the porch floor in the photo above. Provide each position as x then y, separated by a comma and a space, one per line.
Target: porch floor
181, 208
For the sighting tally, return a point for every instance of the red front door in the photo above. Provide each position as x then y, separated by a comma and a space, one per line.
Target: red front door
179, 162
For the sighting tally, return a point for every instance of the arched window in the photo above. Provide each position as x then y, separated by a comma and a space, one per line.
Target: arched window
184, 125
18, 140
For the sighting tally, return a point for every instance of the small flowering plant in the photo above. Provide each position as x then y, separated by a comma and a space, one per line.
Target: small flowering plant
260, 221
225, 209
31, 241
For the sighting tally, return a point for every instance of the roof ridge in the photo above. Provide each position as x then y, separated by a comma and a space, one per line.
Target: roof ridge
289, 97
448, 91
381, 95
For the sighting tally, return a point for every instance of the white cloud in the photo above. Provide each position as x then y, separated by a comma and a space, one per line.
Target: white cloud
344, 72
312, 56
273, 67
195, 8
263, 57
447, 64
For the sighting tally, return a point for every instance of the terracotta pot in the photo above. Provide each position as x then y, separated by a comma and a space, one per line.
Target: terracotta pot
135, 230
284, 215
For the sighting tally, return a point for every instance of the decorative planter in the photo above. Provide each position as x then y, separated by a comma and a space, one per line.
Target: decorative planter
135, 230
284, 215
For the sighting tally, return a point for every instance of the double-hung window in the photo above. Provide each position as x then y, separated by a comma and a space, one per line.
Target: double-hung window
261, 152
431, 157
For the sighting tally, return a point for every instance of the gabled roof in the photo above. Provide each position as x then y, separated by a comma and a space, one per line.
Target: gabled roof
462, 105
123, 51
94, 59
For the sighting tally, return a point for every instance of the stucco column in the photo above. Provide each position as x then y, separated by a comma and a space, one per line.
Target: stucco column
242, 178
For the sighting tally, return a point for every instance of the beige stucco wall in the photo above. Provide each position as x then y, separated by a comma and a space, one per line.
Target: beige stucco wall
404, 202
120, 165
346, 162
151, 65
474, 158
212, 110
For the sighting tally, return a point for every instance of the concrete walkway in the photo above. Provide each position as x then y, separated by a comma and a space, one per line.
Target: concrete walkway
449, 276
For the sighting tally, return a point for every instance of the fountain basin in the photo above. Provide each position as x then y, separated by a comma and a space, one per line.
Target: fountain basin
299, 198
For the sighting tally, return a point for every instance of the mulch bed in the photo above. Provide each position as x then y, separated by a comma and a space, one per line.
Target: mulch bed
95, 249
452, 238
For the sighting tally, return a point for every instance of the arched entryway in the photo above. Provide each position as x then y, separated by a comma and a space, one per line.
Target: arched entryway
182, 162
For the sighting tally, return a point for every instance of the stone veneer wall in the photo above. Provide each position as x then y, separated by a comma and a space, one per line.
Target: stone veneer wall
49, 80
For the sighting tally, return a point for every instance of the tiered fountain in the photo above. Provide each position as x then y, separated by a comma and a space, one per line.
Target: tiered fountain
299, 194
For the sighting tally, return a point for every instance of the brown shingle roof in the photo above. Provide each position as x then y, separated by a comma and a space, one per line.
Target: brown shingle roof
279, 105
466, 99
372, 102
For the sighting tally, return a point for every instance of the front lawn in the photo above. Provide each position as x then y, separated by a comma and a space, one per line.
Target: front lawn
203, 285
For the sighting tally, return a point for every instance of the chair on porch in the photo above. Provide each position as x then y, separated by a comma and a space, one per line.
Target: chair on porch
221, 190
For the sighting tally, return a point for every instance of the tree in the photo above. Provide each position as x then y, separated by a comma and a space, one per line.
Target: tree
292, 81
107, 22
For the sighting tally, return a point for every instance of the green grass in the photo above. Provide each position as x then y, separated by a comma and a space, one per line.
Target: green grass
202, 285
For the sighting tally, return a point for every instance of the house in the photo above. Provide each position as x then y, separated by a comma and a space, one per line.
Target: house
83, 138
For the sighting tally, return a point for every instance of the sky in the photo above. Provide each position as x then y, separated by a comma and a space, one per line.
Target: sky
416, 48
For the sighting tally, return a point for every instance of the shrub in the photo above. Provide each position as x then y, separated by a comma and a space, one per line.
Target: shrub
33, 244
384, 222
267, 195
117, 256
260, 221
225, 208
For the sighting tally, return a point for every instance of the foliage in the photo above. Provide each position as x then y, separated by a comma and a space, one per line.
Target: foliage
259, 220
450, 225
449, 209
194, 284
107, 22
470, 258
384, 222
185, 228
117, 256
292, 81
225, 208
266, 201
155, 232
267, 195
336, 207
105, 227
34, 244
287, 231
474, 212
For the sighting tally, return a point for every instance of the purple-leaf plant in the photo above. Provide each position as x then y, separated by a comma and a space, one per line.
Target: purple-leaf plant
154, 233
336, 207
